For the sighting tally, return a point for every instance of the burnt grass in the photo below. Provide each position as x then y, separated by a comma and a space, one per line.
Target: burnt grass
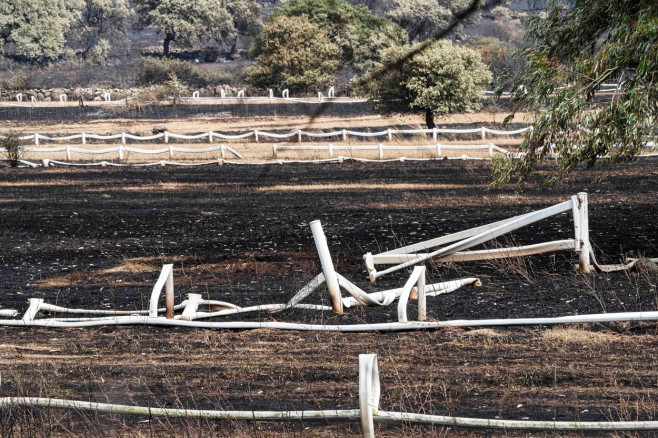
96, 238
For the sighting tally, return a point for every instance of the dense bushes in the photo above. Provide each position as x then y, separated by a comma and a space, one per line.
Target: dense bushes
155, 71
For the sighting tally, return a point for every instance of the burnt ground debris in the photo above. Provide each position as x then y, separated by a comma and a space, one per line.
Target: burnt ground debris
96, 238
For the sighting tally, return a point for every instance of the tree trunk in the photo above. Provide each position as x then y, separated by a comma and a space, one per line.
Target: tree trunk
165, 49
429, 119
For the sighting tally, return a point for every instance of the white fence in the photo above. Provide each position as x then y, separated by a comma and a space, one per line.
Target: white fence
368, 413
381, 148
121, 151
344, 134
452, 247
414, 288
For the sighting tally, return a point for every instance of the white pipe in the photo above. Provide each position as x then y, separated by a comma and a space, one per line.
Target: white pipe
414, 280
376, 327
585, 246
327, 266
319, 415
485, 254
369, 392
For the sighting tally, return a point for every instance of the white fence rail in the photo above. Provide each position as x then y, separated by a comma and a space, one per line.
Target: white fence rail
121, 151
368, 412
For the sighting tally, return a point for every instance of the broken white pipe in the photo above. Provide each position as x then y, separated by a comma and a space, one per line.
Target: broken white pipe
8, 313
327, 266
165, 280
417, 279
347, 328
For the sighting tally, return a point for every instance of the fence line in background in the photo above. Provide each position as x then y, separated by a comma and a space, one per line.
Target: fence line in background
344, 134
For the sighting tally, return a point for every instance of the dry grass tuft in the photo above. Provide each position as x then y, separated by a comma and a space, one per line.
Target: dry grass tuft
568, 335
130, 265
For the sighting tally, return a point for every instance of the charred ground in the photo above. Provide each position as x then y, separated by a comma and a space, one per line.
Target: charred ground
97, 239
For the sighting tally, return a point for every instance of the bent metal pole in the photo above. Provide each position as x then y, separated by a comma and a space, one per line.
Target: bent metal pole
327, 266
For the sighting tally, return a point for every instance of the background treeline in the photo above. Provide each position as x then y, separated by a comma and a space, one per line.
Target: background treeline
302, 45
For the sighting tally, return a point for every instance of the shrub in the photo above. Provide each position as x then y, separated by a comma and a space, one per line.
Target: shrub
155, 71
12, 147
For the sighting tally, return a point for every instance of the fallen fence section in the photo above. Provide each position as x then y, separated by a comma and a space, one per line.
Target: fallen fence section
453, 247
367, 414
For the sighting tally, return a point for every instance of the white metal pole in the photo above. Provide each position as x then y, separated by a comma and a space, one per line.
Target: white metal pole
327, 266
169, 295
369, 391
585, 246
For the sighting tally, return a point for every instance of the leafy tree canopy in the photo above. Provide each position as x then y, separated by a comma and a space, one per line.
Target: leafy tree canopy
294, 53
101, 22
421, 18
211, 24
36, 29
572, 52
361, 36
440, 79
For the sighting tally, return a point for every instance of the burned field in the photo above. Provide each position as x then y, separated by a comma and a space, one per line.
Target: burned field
98, 238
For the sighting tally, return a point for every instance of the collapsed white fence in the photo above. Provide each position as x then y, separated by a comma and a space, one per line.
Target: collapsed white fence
414, 288
368, 413
457, 244
344, 134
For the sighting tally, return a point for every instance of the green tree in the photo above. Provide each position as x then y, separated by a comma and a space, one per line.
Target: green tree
439, 79
211, 24
101, 23
572, 52
36, 29
421, 18
293, 53
361, 36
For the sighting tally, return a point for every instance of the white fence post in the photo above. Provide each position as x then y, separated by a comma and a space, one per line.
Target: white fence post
165, 280
484, 133
222, 150
585, 246
331, 150
344, 135
195, 95
171, 151
256, 135
274, 151
222, 94
299, 136
381, 151
491, 149
415, 279
63, 98
241, 94
390, 134
320, 97
68, 152
83, 138
327, 266
369, 392
331, 92
438, 150
19, 97
285, 94
435, 134
120, 152
36, 139
123, 138
210, 137
271, 95
166, 137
